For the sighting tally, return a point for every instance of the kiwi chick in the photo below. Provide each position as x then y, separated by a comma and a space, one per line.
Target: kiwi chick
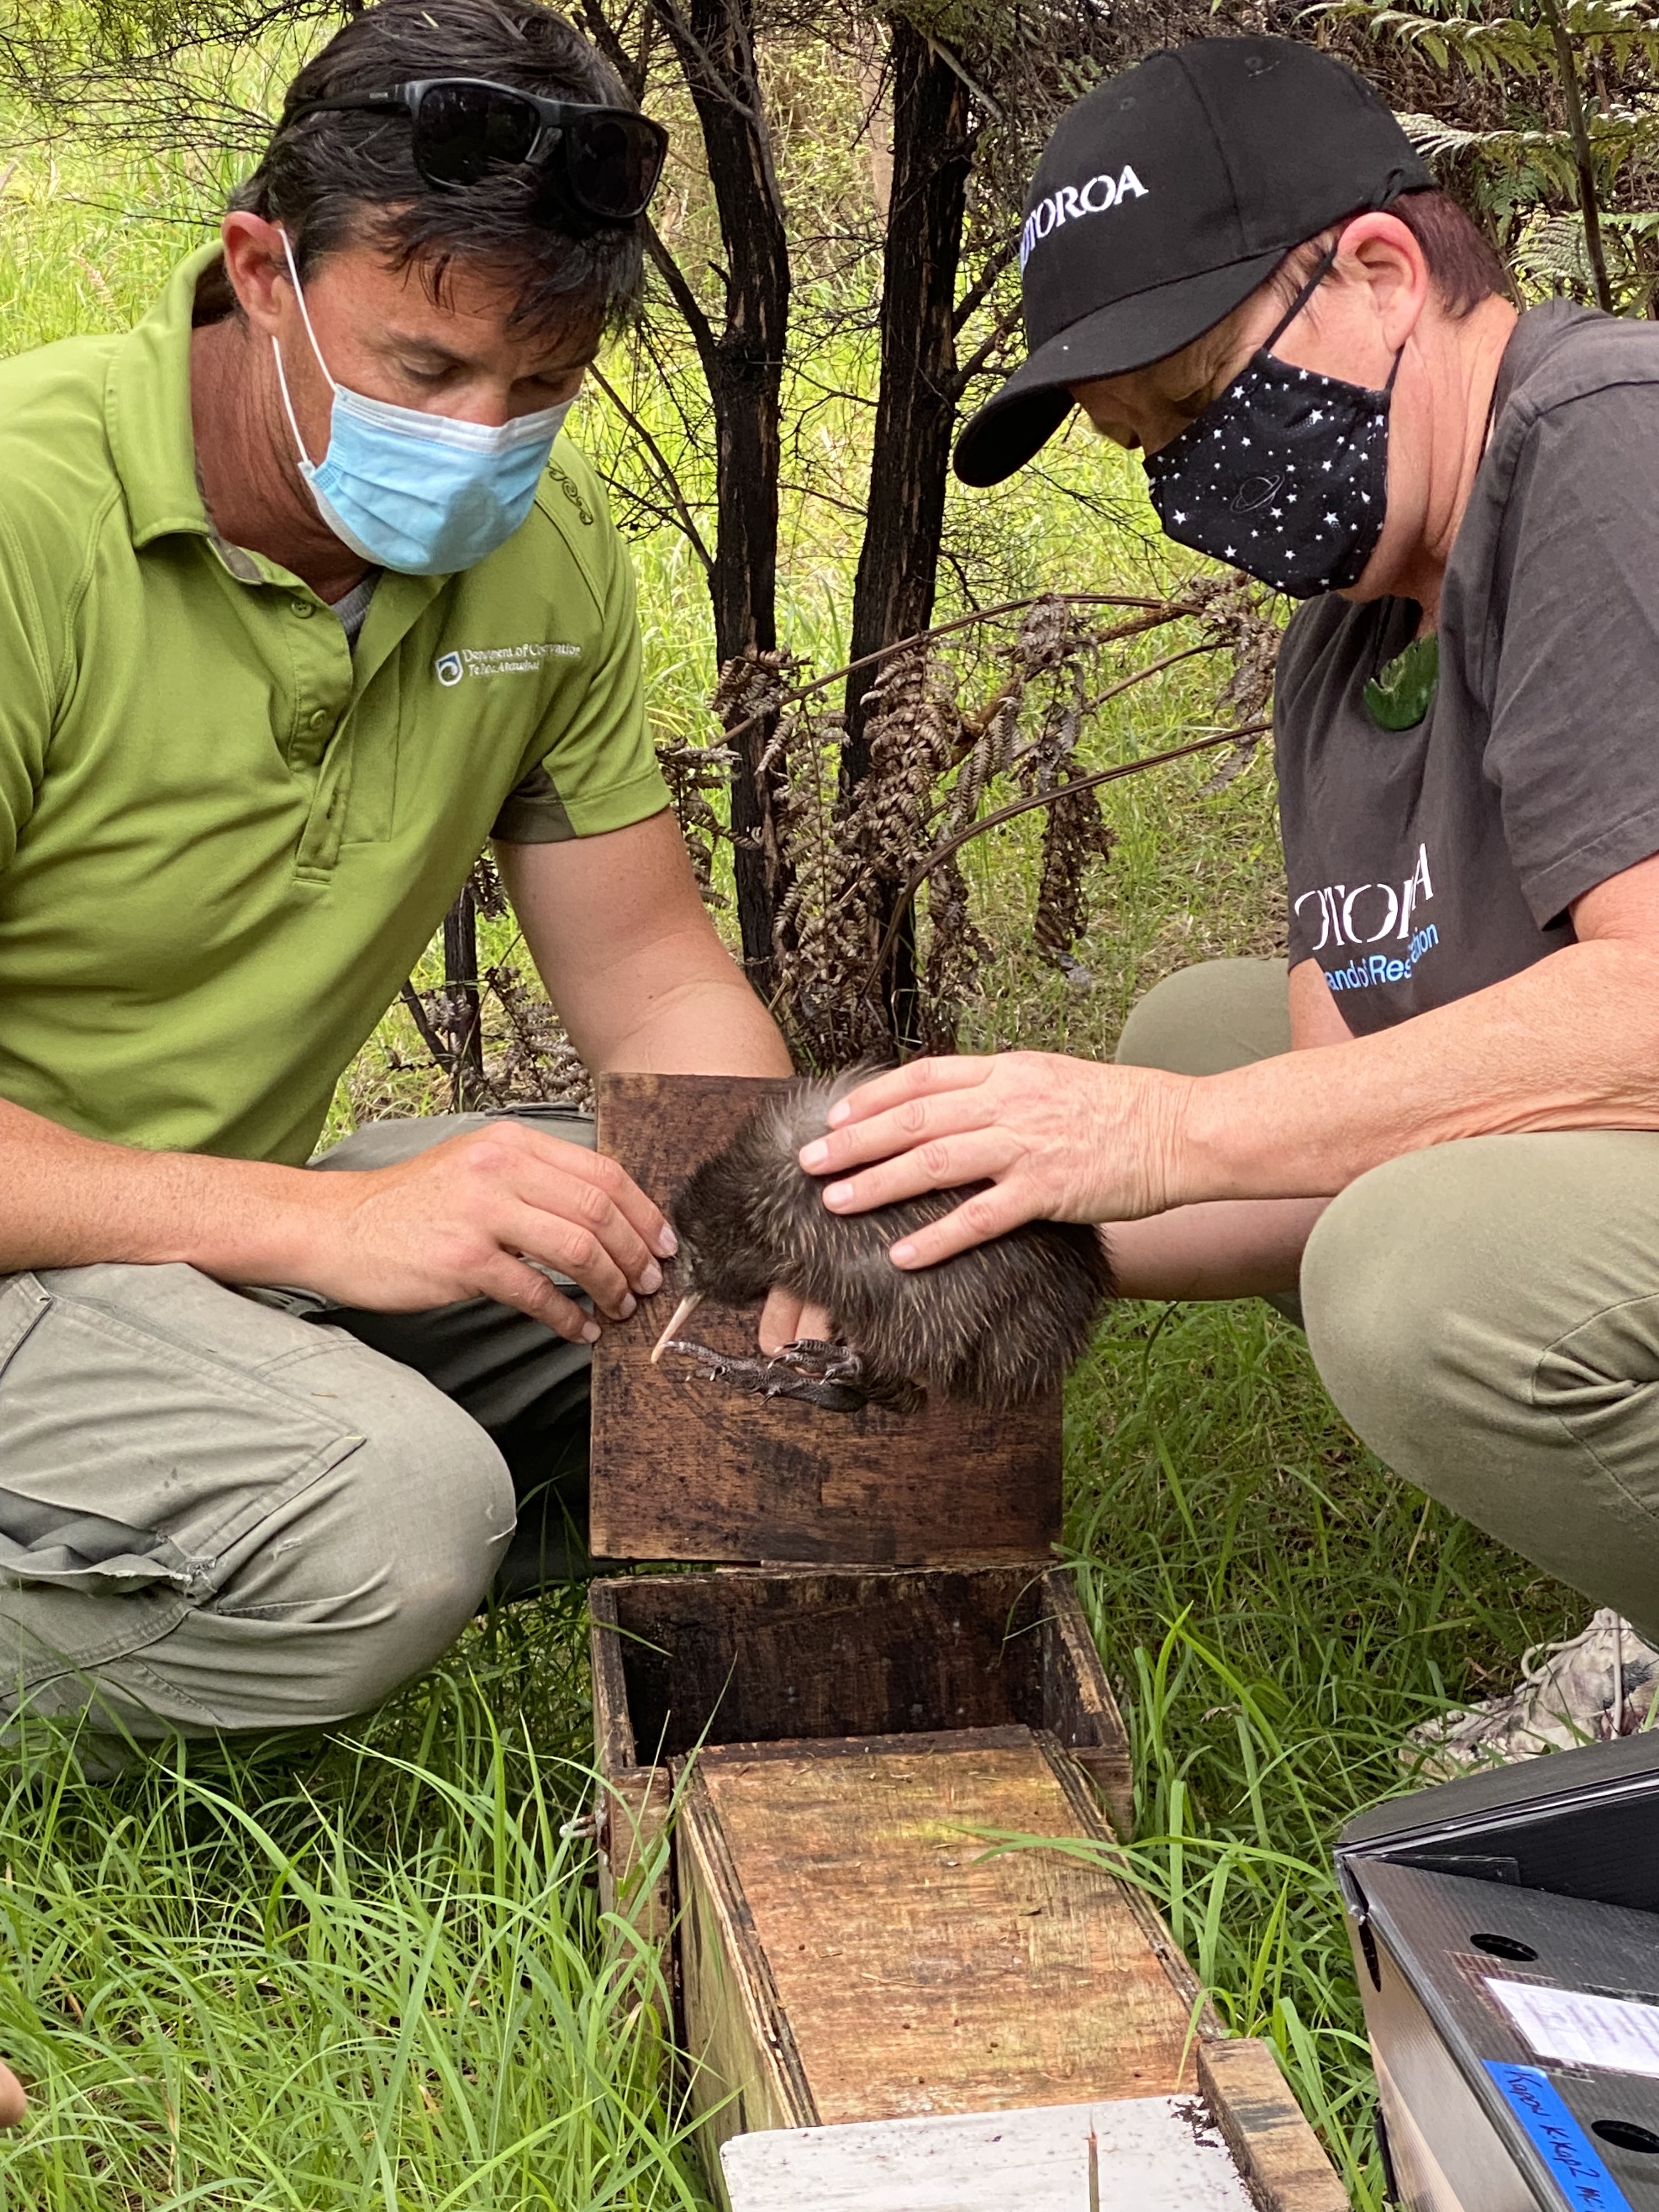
996, 1325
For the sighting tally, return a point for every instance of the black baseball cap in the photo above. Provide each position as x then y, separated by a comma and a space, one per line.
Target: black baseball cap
1164, 198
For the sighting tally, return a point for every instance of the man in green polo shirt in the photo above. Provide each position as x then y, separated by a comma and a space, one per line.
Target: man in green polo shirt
300, 604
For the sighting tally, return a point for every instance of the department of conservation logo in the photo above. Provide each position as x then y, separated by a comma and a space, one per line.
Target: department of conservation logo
489, 660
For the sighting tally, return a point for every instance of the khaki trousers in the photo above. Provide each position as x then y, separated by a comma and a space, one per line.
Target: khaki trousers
1486, 1314
225, 1511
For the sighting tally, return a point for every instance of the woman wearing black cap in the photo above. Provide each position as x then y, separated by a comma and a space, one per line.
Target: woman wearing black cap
1445, 1132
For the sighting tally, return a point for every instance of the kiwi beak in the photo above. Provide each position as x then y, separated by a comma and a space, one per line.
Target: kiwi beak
683, 1313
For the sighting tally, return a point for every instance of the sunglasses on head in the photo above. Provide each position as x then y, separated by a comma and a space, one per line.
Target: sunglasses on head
607, 159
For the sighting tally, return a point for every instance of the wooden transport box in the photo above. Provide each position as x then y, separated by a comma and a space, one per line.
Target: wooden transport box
883, 1674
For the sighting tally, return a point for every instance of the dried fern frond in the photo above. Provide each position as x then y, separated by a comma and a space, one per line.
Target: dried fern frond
957, 949
538, 1061
1075, 832
488, 891
696, 775
847, 858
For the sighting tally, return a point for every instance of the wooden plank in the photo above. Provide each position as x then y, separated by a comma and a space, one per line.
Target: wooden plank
1200, 2013
1137, 2155
635, 1801
751, 1655
1077, 1704
683, 1469
758, 1655
1278, 2153
635, 1876
614, 1747
743, 2067
916, 1974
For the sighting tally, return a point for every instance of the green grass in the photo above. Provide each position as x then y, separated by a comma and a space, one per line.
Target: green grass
367, 1973
1277, 1611
371, 1972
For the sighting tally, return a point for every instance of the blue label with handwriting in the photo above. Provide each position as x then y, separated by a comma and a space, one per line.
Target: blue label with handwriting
1567, 2152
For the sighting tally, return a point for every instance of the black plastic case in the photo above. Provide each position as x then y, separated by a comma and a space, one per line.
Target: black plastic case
1505, 1931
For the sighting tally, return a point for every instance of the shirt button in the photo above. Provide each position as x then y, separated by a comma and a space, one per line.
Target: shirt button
318, 719
303, 609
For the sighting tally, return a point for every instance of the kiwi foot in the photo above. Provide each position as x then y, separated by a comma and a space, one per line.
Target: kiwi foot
828, 1375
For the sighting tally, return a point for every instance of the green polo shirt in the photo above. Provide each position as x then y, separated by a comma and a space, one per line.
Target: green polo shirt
225, 840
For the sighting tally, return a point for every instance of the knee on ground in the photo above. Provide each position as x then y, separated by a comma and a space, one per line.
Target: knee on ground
380, 1565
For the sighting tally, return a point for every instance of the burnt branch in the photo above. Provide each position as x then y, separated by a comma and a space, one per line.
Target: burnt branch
664, 467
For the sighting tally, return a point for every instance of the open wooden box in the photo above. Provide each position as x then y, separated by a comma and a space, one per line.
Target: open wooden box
884, 1673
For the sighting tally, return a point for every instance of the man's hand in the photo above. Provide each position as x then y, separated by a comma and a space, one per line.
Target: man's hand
1056, 1139
466, 1218
785, 1318
620, 937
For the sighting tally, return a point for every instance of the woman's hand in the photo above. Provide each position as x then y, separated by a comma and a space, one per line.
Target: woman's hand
1056, 1139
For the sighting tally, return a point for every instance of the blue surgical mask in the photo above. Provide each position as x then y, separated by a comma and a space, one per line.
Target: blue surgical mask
414, 492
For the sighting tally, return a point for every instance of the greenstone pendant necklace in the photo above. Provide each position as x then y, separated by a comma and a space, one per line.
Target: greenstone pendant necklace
1402, 690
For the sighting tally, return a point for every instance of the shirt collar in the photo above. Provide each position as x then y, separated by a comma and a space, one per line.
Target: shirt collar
153, 442
147, 412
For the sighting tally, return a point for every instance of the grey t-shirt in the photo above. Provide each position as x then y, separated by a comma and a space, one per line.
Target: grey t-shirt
353, 608
1427, 863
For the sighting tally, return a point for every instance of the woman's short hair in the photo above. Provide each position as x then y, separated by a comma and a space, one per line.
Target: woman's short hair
1464, 266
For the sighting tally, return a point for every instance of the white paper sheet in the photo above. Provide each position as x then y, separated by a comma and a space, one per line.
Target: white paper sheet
1580, 2029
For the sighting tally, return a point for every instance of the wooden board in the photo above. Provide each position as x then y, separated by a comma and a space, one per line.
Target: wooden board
898, 1968
743, 2066
636, 1876
1264, 2127
750, 1654
758, 1655
684, 1469
1138, 2155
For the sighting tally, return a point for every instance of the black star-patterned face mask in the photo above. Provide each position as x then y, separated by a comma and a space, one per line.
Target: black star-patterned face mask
1284, 475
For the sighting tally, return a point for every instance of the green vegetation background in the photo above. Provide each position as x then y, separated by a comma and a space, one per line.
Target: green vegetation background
372, 1971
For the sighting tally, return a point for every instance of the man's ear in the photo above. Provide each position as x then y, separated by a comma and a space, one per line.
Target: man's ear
1382, 252
256, 266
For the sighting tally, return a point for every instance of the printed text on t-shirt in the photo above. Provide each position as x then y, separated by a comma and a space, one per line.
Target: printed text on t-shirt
1366, 914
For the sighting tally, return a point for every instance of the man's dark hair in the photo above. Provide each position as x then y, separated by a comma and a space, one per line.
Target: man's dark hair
1464, 266
348, 177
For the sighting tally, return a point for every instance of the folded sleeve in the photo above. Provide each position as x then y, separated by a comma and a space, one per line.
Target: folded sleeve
591, 766
1573, 748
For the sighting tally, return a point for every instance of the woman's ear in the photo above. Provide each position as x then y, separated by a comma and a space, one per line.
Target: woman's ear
1380, 251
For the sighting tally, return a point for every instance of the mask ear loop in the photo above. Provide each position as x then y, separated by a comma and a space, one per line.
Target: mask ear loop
1326, 263
1324, 270
282, 373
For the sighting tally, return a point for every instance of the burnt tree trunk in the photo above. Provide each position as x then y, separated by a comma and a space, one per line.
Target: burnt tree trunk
463, 1009
743, 362
915, 409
